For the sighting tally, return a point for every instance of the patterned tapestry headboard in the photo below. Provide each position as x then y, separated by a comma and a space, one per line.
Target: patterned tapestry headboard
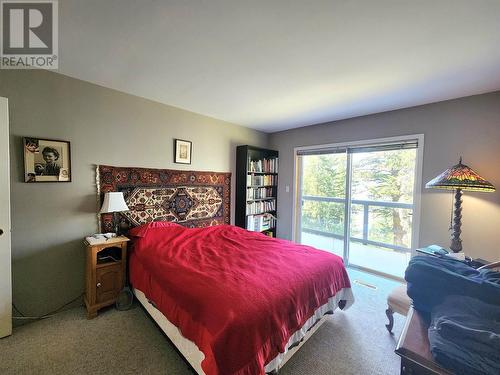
190, 198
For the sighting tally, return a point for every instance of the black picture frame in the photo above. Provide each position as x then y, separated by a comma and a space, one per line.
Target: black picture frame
53, 165
183, 151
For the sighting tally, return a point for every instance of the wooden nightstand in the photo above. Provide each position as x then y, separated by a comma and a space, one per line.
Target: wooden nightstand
105, 273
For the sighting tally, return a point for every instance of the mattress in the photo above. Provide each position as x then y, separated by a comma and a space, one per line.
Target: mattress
221, 284
194, 356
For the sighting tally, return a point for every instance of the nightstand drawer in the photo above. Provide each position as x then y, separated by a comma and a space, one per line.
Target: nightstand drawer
109, 281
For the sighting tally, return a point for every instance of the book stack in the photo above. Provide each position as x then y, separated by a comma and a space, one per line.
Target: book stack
259, 193
264, 165
260, 223
264, 180
255, 208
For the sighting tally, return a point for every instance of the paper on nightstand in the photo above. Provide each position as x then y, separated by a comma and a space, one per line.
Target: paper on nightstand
99, 238
457, 256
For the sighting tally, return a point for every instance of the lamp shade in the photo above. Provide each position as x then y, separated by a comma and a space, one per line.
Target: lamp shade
114, 202
460, 176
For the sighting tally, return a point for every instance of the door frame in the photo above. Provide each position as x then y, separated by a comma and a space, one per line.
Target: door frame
417, 187
5, 225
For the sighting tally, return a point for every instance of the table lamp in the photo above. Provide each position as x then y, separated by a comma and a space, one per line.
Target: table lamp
114, 202
459, 178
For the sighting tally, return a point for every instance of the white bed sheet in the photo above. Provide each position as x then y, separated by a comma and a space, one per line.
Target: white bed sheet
194, 356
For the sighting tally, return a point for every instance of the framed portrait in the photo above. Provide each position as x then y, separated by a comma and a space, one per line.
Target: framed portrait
183, 151
46, 160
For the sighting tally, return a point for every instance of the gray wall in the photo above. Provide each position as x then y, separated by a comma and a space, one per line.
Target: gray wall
468, 126
50, 220
108, 127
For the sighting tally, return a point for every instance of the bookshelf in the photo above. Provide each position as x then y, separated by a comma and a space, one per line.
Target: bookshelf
256, 189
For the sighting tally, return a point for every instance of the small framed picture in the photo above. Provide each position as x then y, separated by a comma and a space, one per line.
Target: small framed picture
46, 160
183, 150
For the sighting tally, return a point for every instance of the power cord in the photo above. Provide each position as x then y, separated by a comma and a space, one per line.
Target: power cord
16, 309
48, 315
125, 299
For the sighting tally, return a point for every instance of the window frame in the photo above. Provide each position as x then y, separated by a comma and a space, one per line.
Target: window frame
417, 188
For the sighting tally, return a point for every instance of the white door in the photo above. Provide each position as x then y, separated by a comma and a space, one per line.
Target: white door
5, 257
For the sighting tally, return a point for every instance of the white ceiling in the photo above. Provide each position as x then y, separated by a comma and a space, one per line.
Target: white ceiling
279, 64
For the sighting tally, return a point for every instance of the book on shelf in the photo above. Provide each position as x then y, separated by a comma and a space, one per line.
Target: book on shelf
264, 180
260, 207
263, 165
261, 223
259, 193
256, 188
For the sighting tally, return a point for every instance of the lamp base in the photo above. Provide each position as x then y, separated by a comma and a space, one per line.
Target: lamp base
116, 222
456, 245
456, 242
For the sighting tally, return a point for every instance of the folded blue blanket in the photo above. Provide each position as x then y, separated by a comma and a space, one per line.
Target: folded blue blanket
464, 306
432, 279
464, 336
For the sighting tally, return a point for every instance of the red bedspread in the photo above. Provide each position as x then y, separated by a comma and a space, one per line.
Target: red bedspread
237, 295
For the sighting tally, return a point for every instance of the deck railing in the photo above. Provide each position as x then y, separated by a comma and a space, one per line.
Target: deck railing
366, 209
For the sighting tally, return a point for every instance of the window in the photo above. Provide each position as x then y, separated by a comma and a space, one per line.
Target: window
359, 201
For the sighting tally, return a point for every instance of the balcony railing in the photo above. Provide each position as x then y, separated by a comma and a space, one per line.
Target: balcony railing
366, 209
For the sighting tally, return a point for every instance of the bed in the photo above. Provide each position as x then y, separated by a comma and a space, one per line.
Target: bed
231, 301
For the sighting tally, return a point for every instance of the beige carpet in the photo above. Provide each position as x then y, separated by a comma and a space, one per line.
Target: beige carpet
350, 342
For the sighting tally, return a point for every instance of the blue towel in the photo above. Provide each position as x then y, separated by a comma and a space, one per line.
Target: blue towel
464, 336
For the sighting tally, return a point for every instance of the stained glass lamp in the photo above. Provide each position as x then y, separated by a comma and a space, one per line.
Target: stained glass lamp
460, 178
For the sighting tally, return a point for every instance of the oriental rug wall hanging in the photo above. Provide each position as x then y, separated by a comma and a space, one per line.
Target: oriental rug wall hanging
190, 198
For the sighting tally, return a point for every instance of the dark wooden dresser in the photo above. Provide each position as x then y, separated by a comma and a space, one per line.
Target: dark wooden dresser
413, 348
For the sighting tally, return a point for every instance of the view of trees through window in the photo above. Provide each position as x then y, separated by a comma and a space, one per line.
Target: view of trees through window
381, 187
